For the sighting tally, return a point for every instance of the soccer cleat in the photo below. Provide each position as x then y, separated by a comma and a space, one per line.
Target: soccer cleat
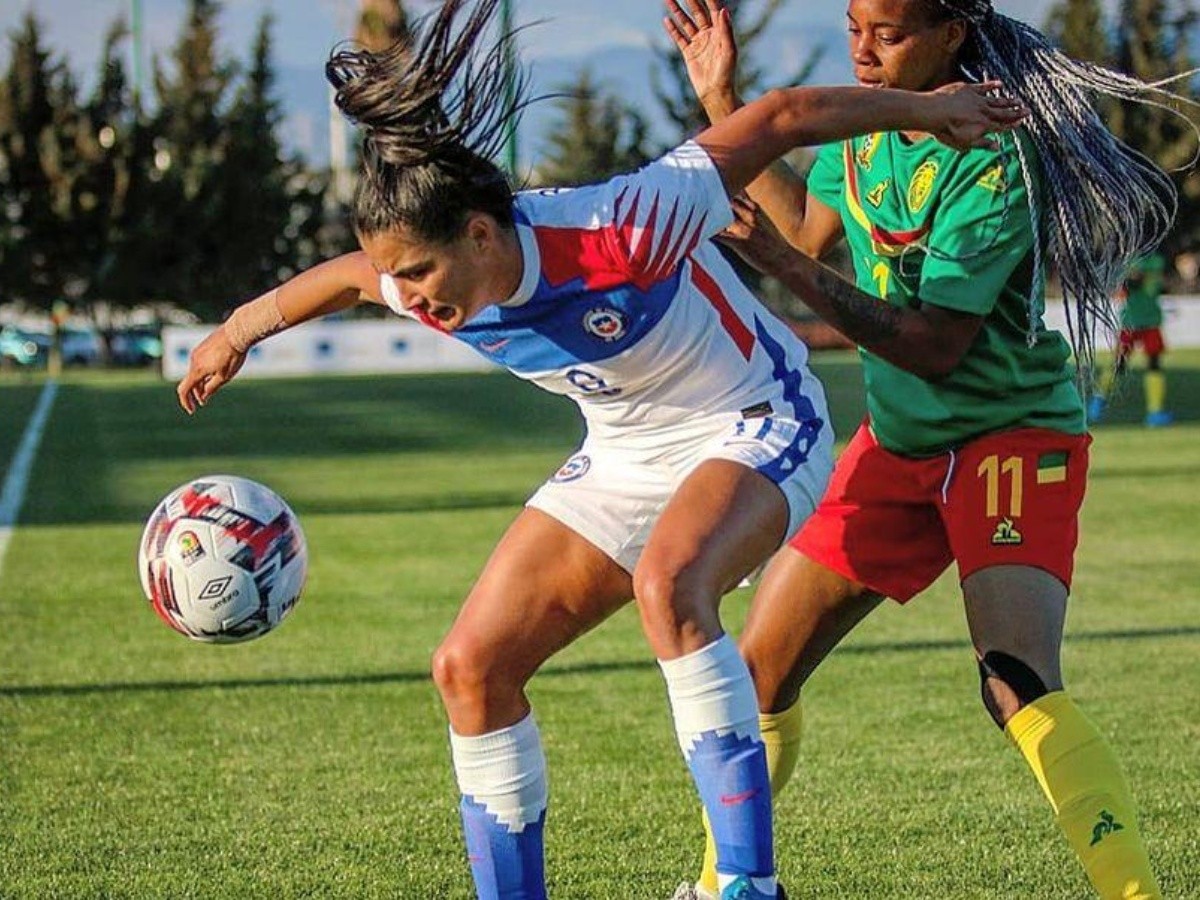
743, 889
689, 891
1095, 410
1159, 419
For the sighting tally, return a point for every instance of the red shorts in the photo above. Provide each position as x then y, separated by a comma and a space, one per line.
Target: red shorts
894, 523
1151, 340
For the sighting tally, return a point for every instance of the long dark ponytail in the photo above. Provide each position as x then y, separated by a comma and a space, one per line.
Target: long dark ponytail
433, 113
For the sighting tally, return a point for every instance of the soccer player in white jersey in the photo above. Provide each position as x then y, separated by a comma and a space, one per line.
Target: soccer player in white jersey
707, 437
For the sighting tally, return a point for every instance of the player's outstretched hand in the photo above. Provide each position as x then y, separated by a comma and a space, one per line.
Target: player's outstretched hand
966, 115
212, 364
704, 35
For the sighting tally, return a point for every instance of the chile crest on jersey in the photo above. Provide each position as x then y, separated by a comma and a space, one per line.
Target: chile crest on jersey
605, 323
568, 323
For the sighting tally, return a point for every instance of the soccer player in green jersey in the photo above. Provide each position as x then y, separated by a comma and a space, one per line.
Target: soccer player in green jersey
1141, 324
975, 449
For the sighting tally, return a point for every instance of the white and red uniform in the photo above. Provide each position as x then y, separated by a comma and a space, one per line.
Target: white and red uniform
626, 307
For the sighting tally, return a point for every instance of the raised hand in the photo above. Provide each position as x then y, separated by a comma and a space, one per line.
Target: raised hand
966, 114
213, 362
704, 35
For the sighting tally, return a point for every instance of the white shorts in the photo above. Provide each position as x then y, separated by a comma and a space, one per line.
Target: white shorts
613, 493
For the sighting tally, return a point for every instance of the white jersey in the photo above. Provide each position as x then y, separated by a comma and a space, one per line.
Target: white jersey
626, 307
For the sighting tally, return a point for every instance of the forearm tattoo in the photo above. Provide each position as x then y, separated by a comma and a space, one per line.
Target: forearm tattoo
864, 319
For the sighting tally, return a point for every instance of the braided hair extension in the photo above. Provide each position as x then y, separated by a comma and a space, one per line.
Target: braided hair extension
1106, 204
433, 112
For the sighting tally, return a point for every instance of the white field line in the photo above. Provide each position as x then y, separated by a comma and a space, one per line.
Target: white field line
18, 474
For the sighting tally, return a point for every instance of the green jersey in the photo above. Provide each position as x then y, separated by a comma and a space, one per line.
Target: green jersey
1144, 285
930, 225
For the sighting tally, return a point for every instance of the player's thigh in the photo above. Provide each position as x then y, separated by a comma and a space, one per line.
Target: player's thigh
542, 587
1016, 616
722, 522
800, 612
746, 489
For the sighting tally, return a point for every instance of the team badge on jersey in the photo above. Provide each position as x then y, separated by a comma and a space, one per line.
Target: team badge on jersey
573, 469
876, 194
867, 149
993, 180
606, 323
920, 189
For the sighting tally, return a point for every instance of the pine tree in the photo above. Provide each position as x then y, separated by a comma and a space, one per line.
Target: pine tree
38, 130
1153, 40
114, 166
255, 191
190, 143
1154, 43
597, 137
124, 223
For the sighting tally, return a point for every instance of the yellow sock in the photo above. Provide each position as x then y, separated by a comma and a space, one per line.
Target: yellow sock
1156, 391
1080, 777
781, 736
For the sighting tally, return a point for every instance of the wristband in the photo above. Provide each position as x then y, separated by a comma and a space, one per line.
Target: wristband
253, 321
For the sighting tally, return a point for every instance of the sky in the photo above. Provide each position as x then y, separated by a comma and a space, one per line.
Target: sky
611, 37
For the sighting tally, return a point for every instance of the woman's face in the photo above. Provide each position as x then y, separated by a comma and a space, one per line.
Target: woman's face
897, 44
446, 284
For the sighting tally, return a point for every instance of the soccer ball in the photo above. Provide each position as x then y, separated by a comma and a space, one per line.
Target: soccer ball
222, 559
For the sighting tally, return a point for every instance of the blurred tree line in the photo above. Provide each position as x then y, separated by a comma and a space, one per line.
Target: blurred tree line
109, 199
1157, 41
117, 200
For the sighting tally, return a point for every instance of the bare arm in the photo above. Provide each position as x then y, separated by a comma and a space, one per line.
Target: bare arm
329, 287
926, 340
743, 144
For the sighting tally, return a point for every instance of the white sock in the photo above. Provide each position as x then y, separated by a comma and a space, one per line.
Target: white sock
504, 771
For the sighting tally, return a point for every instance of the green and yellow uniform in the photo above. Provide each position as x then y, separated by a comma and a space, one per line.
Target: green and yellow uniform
929, 224
1144, 287
984, 467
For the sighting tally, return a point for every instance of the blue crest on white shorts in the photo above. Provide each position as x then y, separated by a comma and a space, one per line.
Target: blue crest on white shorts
573, 469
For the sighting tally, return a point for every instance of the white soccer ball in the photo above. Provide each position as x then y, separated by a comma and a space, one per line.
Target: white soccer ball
222, 559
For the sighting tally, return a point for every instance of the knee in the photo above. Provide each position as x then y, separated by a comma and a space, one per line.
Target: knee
465, 672
1008, 684
453, 670
777, 680
672, 601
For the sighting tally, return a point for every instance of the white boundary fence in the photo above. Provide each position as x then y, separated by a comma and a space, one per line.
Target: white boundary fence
401, 345
1181, 320
398, 345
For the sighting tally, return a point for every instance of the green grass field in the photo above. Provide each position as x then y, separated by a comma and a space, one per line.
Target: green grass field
314, 763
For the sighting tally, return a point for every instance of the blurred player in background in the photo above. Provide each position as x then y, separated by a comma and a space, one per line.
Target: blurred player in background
975, 450
1141, 325
707, 437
